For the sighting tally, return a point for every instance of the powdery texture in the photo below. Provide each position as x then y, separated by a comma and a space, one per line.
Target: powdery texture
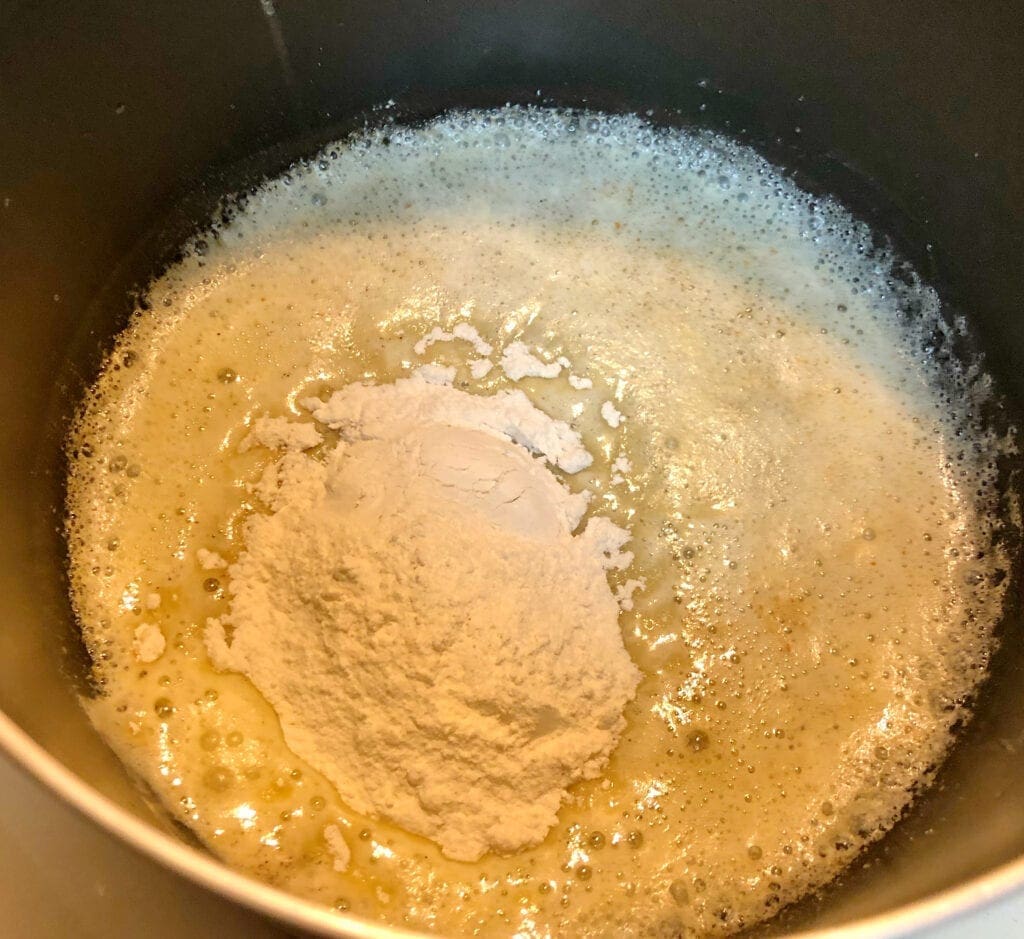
518, 362
480, 368
338, 847
210, 560
279, 433
462, 331
612, 416
508, 414
149, 643
431, 632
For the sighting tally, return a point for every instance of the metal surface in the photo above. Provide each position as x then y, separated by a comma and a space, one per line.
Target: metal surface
61, 876
925, 918
123, 124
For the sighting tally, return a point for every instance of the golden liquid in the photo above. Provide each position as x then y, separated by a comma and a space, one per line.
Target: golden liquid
807, 528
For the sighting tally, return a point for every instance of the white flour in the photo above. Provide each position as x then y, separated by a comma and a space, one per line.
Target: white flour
149, 643
611, 415
279, 433
426, 396
461, 331
417, 609
518, 362
210, 560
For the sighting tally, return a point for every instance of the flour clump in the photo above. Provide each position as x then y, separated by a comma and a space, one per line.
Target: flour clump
279, 433
428, 617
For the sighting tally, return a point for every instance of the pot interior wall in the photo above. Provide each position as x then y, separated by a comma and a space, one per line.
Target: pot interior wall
122, 120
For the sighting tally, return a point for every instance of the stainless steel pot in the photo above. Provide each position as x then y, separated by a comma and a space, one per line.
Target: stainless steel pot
123, 123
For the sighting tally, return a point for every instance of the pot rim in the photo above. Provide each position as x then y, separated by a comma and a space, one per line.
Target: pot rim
315, 918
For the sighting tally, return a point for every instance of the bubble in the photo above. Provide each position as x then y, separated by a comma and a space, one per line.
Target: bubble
218, 778
698, 740
671, 927
680, 892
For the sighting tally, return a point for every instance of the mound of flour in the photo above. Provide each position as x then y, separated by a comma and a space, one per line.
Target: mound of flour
420, 610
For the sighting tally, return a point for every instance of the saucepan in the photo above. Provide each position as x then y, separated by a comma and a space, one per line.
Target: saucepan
121, 124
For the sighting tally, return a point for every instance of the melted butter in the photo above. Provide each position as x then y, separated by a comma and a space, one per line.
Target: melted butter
816, 609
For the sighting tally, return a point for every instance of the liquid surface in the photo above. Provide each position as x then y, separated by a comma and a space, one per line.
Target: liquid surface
811, 527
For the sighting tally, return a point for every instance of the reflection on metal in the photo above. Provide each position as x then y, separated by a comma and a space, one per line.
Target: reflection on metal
281, 50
